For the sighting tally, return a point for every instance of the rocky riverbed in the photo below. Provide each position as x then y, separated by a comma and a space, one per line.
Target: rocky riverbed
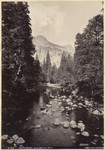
60, 121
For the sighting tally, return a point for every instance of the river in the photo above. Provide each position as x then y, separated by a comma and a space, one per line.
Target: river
35, 122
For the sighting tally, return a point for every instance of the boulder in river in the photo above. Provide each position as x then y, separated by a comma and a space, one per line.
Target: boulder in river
16, 145
51, 96
10, 141
59, 103
62, 108
67, 115
66, 124
84, 106
49, 105
96, 135
38, 126
51, 102
96, 112
49, 113
86, 102
80, 121
85, 133
73, 137
93, 143
68, 100
102, 136
5, 137
102, 113
63, 97
81, 97
81, 126
90, 105
20, 140
15, 137
44, 112
75, 91
70, 103
80, 104
77, 133
67, 107
73, 124
56, 122
75, 105
70, 96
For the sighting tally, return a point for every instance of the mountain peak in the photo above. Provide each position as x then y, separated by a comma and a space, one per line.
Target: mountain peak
43, 46
41, 39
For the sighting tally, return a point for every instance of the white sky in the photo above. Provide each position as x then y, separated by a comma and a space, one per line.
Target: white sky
60, 21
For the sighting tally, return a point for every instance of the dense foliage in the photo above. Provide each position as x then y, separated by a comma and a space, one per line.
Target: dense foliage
65, 71
63, 74
88, 58
20, 72
48, 70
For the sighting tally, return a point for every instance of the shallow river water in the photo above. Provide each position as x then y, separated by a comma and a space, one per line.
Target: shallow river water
36, 125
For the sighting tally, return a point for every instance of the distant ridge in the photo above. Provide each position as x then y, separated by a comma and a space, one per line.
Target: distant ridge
42, 46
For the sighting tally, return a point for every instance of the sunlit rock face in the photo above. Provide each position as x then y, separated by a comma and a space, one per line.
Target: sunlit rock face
43, 46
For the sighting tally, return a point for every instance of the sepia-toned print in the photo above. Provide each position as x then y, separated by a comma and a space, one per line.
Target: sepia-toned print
52, 75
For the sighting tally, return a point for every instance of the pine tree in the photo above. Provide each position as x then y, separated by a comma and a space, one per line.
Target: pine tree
17, 43
48, 67
20, 72
89, 54
44, 72
63, 62
54, 77
65, 71
18, 64
48, 61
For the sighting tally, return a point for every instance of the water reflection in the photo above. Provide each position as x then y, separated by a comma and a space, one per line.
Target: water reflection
49, 135
73, 116
41, 103
58, 135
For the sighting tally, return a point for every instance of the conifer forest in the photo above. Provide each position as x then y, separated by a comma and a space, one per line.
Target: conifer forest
51, 98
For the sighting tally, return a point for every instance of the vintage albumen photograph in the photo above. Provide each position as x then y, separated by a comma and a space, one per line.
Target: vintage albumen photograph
52, 74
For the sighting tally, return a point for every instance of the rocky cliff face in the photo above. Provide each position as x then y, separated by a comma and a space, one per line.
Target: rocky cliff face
42, 46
